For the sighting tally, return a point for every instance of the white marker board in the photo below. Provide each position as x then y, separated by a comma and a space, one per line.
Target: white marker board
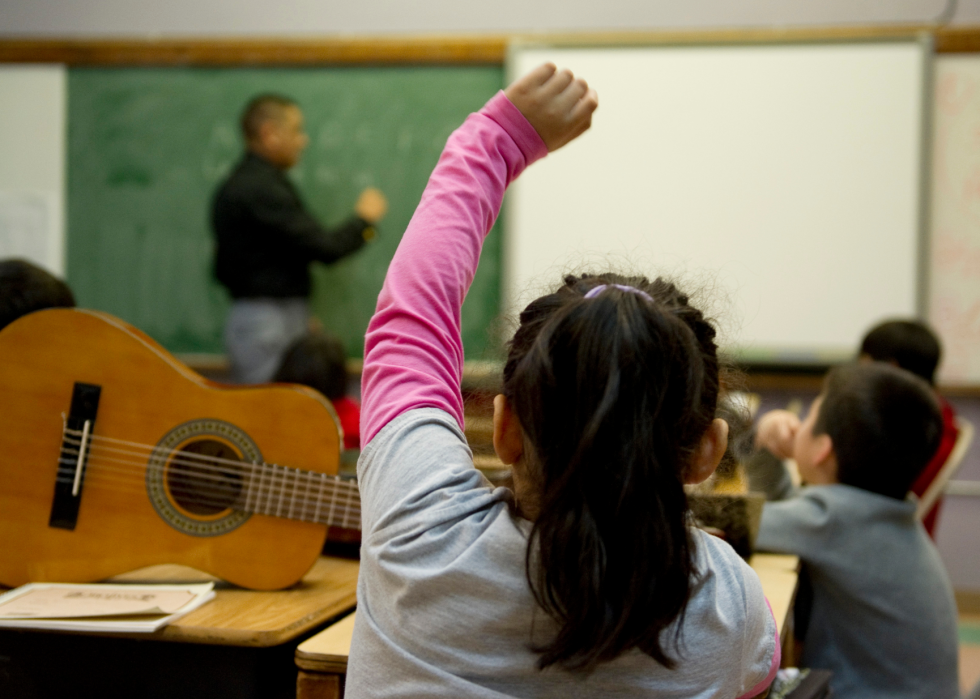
787, 177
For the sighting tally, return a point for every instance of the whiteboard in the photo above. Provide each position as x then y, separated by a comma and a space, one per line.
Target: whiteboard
786, 180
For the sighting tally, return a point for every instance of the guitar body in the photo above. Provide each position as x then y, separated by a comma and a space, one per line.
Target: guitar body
128, 518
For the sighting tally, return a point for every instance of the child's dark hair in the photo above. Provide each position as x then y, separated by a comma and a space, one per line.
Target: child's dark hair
885, 425
910, 344
316, 360
25, 288
614, 394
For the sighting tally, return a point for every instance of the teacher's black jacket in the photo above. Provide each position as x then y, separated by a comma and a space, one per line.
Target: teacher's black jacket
266, 238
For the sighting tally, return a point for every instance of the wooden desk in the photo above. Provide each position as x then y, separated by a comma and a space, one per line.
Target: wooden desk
322, 659
779, 575
240, 644
237, 617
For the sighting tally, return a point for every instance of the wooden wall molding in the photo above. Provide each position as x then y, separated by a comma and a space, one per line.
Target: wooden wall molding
264, 51
458, 49
959, 390
958, 40
968, 601
746, 35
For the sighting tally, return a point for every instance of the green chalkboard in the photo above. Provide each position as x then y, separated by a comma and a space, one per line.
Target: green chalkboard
147, 147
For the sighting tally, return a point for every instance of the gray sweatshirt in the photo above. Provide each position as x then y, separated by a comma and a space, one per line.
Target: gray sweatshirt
883, 618
444, 608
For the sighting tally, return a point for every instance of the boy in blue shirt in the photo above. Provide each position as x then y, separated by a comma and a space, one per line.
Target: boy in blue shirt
883, 619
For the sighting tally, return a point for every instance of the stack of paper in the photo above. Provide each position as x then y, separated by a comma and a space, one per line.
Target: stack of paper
100, 607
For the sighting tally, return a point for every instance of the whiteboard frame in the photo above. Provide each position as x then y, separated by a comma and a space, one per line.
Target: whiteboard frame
926, 43
925, 181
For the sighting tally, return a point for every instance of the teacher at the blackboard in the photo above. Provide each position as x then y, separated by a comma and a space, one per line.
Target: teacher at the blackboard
266, 240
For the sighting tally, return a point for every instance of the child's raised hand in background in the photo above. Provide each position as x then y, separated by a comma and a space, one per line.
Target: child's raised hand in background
776, 432
557, 104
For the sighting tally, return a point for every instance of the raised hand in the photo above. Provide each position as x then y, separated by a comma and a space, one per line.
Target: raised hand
557, 104
371, 205
777, 432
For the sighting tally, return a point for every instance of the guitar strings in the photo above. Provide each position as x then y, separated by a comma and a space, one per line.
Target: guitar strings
342, 516
266, 500
263, 495
278, 477
149, 448
200, 469
205, 462
219, 485
186, 459
278, 482
345, 512
276, 473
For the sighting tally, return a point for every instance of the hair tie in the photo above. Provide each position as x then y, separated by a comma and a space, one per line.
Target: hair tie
596, 290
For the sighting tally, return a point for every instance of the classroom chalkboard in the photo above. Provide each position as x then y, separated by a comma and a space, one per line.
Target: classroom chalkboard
147, 148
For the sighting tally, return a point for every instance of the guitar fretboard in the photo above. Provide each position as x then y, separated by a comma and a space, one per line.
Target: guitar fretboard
306, 496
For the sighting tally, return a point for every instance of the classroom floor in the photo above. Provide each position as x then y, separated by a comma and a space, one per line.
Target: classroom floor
969, 652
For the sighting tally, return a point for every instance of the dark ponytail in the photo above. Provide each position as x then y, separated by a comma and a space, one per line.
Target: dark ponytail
614, 394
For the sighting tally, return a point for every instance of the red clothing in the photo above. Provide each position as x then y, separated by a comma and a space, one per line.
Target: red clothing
349, 413
932, 470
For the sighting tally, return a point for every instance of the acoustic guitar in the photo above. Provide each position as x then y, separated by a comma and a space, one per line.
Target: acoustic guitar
117, 456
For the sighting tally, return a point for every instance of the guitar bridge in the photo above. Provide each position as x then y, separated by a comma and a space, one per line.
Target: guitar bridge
74, 456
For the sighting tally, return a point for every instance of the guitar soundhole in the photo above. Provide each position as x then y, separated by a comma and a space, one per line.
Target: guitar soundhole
200, 478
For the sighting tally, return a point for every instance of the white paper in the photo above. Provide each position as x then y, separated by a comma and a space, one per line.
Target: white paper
100, 607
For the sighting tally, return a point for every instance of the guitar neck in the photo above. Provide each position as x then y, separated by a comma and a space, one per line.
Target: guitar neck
305, 496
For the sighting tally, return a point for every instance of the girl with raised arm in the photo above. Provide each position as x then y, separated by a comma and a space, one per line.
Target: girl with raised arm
587, 579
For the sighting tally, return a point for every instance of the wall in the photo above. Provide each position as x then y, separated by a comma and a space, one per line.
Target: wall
103, 18
956, 535
954, 306
32, 169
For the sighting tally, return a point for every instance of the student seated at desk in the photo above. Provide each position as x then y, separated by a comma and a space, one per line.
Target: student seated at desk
587, 579
318, 360
883, 619
913, 346
25, 288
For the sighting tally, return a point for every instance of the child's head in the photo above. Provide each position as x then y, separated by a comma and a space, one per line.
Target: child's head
614, 392
25, 288
316, 360
909, 344
874, 427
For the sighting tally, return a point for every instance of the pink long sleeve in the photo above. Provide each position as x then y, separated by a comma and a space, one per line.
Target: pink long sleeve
413, 355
